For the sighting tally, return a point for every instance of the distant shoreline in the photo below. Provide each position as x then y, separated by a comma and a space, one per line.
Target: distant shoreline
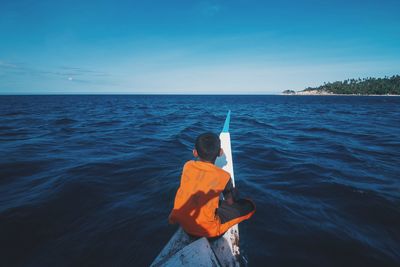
182, 95
387, 86
309, 93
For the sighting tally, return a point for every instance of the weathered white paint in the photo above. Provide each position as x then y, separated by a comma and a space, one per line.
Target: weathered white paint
225, 161
198, 253
227, 248
178, 241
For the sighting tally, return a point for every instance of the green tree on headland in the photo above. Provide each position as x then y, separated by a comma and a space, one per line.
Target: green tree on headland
289, 92
366, 86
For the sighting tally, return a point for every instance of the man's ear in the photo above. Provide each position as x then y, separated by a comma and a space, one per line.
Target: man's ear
195, 154
221, 152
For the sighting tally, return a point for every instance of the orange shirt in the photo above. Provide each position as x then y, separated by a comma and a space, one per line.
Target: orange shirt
197, 198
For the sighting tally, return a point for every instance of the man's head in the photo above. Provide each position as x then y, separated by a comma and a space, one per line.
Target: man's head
208, 147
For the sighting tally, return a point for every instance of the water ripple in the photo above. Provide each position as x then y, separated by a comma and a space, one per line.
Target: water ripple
90, 180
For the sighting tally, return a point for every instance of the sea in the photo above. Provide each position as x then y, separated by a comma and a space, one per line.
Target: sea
89, 180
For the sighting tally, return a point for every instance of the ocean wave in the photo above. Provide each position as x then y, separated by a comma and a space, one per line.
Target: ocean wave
64, 121
81, 175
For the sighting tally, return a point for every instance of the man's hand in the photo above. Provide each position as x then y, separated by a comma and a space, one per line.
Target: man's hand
229, 199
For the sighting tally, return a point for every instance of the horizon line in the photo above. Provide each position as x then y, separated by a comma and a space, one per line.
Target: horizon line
184, 94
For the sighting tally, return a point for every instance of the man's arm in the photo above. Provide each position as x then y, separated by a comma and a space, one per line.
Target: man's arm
171, 219
230, 193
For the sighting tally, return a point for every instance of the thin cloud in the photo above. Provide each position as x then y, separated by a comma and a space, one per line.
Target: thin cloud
78, 71
7, 65
66, 72
209, 9
73, 75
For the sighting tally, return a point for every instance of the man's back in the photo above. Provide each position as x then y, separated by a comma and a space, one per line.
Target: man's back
197, 198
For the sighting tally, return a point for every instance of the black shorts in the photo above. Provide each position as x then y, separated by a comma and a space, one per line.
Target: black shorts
226, 213
239, 208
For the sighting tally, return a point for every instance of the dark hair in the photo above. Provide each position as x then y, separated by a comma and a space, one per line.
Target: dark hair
208, 146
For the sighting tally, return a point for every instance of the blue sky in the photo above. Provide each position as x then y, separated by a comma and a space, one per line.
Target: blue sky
229, 47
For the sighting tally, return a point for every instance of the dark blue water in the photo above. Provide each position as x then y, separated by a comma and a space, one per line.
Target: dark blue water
90, 180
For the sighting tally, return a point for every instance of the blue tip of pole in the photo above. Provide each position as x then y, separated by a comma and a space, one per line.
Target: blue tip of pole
227, 121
